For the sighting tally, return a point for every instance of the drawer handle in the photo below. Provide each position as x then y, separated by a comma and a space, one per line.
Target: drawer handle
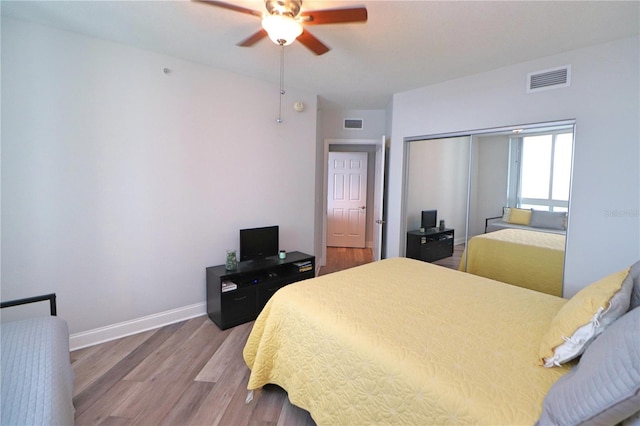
237, 299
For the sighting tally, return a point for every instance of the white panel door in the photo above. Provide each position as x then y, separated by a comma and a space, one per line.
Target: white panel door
347, 199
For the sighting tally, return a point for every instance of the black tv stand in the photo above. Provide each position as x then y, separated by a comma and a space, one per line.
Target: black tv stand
255, 282
431, 245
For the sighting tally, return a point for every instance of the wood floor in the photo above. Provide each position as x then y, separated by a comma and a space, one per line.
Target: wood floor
188, 373
185, 373
339, 258
452, 262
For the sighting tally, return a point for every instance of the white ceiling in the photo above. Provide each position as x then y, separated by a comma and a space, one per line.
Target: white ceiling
404, 44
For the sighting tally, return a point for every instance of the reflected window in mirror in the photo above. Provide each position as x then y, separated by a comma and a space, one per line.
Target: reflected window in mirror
540, 171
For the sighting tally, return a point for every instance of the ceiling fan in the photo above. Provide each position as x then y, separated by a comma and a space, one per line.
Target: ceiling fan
284, 22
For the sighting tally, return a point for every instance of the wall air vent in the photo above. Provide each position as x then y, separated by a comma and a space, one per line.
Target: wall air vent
353, 123
554, 78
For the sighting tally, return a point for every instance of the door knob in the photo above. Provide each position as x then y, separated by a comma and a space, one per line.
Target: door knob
380, 222
363, 207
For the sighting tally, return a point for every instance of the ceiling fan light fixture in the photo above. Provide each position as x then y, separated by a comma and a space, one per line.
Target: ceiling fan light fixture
282, 29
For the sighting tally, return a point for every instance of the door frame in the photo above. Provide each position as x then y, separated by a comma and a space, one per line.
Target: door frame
325, 174
345, 239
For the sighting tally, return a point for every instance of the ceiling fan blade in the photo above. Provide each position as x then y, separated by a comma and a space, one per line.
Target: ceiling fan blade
230, 7
312, 43
254, 38
334, 16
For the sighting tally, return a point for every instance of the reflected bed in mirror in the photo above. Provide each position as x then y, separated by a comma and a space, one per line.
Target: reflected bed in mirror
529, 259
515, 177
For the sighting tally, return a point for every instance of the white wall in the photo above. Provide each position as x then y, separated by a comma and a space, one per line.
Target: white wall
373, 124
121, 183
437, 179
490, 170
604, 223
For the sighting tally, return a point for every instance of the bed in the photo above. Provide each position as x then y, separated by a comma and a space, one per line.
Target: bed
402, 341
405, 342
530, 259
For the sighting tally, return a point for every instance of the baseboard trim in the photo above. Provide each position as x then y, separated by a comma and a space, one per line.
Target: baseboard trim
138, 325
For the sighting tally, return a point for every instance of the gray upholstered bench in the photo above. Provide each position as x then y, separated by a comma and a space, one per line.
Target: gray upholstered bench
543, 221
37, 379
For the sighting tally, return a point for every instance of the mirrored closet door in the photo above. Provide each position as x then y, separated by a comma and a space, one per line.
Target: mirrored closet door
471, 177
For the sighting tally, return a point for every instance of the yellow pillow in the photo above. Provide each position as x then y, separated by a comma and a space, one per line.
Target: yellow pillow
520, 216
584, 317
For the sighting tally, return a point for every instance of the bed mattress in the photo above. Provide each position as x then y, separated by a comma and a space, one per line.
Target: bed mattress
530, 259
405, 342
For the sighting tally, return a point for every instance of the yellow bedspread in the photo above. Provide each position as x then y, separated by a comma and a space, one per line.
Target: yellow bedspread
529, 259
405, 342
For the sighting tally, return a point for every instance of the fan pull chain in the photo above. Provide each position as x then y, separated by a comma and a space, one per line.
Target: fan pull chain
279, 120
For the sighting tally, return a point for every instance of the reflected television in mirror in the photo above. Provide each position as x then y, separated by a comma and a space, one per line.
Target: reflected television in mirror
429, 219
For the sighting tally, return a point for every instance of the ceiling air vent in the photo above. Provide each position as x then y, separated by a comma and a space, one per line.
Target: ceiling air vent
353, 123
554, 78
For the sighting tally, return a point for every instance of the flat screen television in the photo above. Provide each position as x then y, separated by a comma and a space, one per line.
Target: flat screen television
258, 243
429, 219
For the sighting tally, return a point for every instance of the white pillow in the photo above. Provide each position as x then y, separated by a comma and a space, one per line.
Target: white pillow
506, 213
